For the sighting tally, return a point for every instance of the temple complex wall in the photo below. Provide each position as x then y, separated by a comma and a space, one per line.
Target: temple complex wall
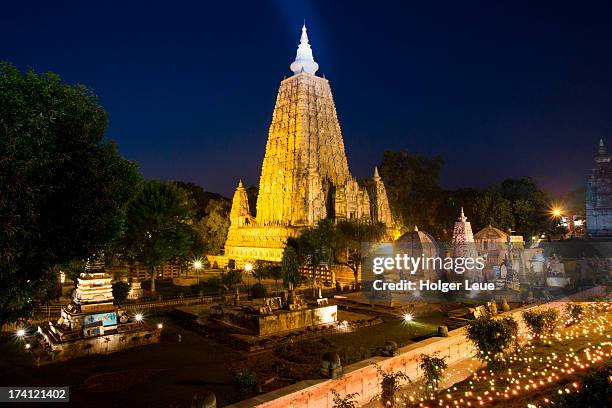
363, 378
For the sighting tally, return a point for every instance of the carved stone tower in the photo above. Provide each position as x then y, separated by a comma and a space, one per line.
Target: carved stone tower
379, 203
305, 175
599, 195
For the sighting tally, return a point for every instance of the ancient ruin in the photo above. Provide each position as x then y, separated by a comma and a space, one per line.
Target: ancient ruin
305, 175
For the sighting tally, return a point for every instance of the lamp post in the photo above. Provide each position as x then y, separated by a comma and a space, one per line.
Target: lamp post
248, 267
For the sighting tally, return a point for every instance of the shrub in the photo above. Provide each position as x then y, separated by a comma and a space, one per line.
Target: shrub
432, 367
120, 291
596, 391
492, 337
348, 401
390, 384
350, 354
541, 322
575, 312
258, 291
246, 381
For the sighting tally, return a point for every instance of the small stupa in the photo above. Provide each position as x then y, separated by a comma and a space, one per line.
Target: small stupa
463, 238
91, 323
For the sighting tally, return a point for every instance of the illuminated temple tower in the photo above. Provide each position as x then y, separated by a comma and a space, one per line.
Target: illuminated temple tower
305, 175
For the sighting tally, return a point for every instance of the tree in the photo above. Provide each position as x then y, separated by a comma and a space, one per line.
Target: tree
64, 185
491, 208
159, 225
276, 273
120, 291
529, 206
316, 246
412, 182
212, 217
232, 278
349, 239
290, 268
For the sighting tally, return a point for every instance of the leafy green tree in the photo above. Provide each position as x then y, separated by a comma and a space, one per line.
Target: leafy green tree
212, 217
64, 185
491, 208
530, 206
276, 273
159, 225
232, 278
120, 292
290, 268
73, 269
412, 182
349, 238
317, 246
258, 291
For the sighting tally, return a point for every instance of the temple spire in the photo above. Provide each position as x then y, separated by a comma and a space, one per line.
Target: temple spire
376, 176
602, 148
304, 61
462, 217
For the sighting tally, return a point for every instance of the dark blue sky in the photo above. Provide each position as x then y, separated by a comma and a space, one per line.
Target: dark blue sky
497, 90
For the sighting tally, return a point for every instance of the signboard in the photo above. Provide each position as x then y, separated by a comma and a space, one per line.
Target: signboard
107, 319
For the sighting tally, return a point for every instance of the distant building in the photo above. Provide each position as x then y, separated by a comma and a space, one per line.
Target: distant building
599, 195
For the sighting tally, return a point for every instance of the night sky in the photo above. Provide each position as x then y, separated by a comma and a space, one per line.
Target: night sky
497, 90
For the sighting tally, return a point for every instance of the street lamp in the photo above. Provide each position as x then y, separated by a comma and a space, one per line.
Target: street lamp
138, 317
248, 267
197, 264
408, 317
20, 333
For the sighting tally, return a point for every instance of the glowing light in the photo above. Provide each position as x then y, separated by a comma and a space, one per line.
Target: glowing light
197, 264
160, 326
27, 346
138, 317
20, 332
248, 267
408, 317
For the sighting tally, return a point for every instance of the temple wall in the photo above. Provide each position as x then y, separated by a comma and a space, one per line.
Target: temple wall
297, 319
105, 344
363, 378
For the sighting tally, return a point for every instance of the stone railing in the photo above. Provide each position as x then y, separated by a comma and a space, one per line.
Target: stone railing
363, 378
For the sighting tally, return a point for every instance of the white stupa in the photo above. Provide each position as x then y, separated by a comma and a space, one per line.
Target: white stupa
304, 61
